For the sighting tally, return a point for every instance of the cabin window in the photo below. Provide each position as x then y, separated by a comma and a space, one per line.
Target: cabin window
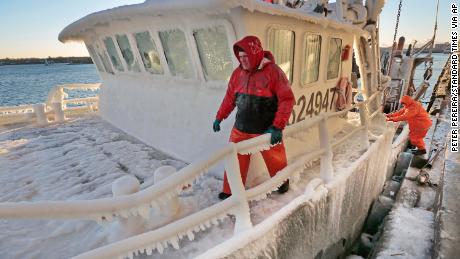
148, 52
281, 44
104, 58
95, 58
127, 53
312, 59
176, 53
333, 65
214, 52
110, 46
105, 61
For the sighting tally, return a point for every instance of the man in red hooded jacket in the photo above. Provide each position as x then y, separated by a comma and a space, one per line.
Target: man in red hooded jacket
264, 100
418, 119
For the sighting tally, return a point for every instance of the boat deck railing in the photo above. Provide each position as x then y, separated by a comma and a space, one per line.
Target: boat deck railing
57, 106
140, 203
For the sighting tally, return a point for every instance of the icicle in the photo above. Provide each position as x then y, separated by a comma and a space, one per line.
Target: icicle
214, 221
124, 214
189, 188
190, 235
202, 227
154, 204
150, 251
130, 255
169, 195
160, 248
144, 211
196, 229
133, 212
207, 223
108, 217
222, 217
263, 196
163, 201
99, 220
174, 241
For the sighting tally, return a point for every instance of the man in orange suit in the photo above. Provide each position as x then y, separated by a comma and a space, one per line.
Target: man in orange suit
418, 119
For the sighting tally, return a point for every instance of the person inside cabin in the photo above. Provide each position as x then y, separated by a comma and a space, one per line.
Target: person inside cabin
261, 92
418, 119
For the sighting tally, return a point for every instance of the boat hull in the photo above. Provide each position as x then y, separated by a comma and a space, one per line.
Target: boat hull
322, 224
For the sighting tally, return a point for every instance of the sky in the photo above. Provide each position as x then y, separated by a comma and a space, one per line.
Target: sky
30, 28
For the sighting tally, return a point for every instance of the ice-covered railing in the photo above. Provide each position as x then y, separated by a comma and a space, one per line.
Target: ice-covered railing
14, 114
159, 194
58, 95
56, 107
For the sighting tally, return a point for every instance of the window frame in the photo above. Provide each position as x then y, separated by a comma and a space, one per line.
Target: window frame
159, 49
135, 57
340, 57
231, 39
267, 40
155, 37
185, 30
117, 49
96, 60
304, 61
101, 50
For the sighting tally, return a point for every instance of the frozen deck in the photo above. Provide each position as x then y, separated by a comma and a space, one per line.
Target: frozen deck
81, 159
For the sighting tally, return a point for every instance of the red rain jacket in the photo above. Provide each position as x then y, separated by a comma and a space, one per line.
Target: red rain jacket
261, 94
413, 113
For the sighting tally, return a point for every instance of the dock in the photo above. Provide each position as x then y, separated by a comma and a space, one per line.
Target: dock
424, 219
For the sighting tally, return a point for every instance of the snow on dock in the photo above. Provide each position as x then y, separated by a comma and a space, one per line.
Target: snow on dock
79, 160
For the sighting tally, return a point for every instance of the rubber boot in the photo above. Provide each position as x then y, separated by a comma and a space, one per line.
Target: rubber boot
224, 195
418, 152
284, 187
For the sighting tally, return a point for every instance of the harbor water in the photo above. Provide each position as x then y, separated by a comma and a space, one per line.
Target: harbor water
29, 84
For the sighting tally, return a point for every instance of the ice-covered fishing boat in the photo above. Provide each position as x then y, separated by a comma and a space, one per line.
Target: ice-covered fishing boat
164, 67
165, 64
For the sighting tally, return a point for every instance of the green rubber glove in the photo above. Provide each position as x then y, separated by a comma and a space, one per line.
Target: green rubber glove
216, 125
276, 135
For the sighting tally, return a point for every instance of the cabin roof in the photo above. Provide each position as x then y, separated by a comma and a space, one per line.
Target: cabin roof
78, 29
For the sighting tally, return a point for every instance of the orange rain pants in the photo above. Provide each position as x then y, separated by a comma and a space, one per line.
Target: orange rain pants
275, 158
416, 136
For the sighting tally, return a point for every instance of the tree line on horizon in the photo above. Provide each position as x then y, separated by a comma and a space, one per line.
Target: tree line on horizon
49, 60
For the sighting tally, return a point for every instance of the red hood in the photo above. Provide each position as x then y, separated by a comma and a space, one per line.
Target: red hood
269, 56
407, 100
253, 48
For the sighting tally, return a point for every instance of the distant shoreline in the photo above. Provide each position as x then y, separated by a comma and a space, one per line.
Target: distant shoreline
46, 61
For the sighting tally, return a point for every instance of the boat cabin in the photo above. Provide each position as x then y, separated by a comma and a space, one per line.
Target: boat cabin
165, 65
